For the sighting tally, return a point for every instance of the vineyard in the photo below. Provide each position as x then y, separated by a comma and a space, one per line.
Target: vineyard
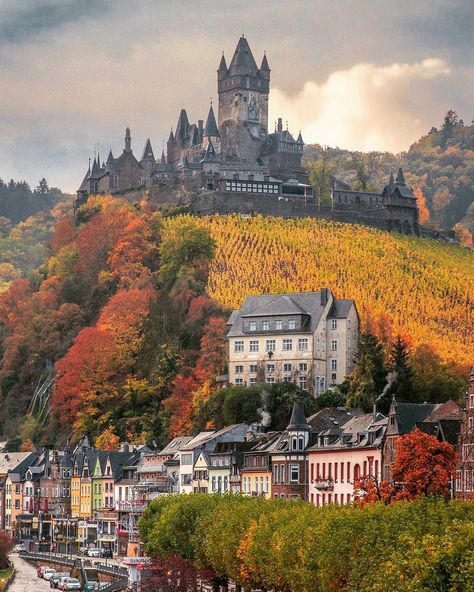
422, 289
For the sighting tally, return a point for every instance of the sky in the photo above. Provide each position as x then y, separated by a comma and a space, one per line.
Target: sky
358, 74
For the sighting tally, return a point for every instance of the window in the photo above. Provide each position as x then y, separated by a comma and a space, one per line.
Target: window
252, 326
334, 345
265, 325
278, 325
283, 473
300, 442
291, 324
286, 367
239, 381
303, 382
333, 324
252, 381
239, 369
270, 368
294, 473
287, 344
238, 346
303, 344
253, 368
303, 367
276, 474
270, 379
186, 459
270, 345
253, 346
334, 365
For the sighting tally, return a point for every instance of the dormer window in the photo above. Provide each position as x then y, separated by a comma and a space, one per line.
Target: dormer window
292, 324
294, 443
278, 325
265, 326
252, 326
301, 443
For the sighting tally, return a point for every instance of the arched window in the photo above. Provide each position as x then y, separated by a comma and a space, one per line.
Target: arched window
356, 472
294, 443
301, 443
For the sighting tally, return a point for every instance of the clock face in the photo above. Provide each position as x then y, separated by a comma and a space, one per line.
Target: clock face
252, 108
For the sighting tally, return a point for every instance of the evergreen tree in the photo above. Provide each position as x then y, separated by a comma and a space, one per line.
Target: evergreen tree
400, 363
43, 187
369, 375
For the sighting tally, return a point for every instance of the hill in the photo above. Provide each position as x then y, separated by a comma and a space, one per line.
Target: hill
421, 288
439, 167
130, 308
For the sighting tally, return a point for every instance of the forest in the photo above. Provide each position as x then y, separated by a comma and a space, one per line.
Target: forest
125, 319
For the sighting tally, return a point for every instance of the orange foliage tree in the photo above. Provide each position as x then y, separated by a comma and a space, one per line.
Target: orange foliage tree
423, 211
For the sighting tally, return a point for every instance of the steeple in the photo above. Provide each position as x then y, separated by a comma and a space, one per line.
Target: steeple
128, 140
243, 63
265, 68
400, 180
110, 157
171, 136
299, 140
222, 70
148, 151
298, 418
210, 129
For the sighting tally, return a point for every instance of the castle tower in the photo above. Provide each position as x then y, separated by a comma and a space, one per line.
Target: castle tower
243, 90
128, 140
211, 133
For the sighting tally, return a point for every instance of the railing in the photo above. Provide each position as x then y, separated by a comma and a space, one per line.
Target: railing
103, 568
324, 484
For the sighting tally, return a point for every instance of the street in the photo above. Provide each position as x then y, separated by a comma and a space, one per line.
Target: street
25, 577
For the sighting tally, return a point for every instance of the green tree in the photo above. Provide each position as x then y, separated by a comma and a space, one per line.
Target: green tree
320, 172
368, 378
399, 362
43, 187
365, 167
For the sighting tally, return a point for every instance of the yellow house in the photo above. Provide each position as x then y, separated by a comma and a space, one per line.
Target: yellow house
256, 471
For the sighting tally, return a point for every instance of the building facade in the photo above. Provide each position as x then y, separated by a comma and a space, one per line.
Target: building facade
465, 468
306, 338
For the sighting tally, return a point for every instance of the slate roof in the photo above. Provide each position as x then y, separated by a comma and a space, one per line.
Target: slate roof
10, 460
331, 418
210, 128
409, 414
340, 308
298, 418
210, 154
175, 444
361, 430
308, 303
243, 62
148, 151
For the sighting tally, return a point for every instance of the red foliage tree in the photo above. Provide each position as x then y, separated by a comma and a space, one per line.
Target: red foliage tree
212, 354
180, 404
6, 545
423, 464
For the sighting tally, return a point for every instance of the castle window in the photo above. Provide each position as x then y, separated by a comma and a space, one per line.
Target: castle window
287, 367
252, 326
238, 346
239, 369
334, 365
270, 345
228, 186
303, 382
303, 366
253, 368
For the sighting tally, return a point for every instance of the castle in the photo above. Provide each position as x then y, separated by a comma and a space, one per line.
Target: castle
234, 164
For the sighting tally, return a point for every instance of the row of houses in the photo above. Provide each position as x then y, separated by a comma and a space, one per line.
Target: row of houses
85, 496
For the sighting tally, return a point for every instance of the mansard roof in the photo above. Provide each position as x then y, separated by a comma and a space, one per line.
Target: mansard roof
210, 129
148, 151
243, 62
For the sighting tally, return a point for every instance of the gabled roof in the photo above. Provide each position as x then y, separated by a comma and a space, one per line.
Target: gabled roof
210, 129
299, 139
175, 444
331, 417
243, 62
340, 308
409, 414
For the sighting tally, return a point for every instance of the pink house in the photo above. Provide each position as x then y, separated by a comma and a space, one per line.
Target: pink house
343, 455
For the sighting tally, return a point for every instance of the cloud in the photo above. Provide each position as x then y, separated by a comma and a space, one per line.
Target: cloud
366, 107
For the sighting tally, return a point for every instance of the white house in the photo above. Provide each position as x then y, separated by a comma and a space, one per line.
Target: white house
342, 455
307, 338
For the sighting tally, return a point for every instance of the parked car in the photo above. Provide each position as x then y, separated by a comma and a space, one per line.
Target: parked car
82, 551
71, 584
94, 552
91, 587
41, 570
57, 578
20, 547
48, 573
106, 553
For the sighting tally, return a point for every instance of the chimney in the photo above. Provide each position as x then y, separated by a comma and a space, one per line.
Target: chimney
324, 296
280, 125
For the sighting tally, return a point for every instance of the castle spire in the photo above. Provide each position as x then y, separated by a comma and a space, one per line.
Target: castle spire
243, 62
163, 158
391, 183
222, 64
210, 130
128, 140
400, 180
264, 67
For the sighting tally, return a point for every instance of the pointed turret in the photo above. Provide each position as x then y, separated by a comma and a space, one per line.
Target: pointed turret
243, 63
298, 418
210, 154
85, 185
148, 151
128, 140
171, 136
182, 127
391, 183
265, 68
400, 180
163, 158
299, 139
222, 70
210, 130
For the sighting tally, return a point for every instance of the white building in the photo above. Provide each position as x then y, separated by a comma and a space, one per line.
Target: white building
308, 338
204, 441
343, 455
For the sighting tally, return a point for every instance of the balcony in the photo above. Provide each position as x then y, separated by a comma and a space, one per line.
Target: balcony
324, 484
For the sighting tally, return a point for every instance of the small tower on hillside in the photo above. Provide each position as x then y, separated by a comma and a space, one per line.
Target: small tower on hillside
298, 429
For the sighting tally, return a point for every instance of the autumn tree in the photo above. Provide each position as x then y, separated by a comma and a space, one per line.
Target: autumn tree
320, 172
6, 545
365, 167
107, 440
463, 235
424, 465
423, 211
